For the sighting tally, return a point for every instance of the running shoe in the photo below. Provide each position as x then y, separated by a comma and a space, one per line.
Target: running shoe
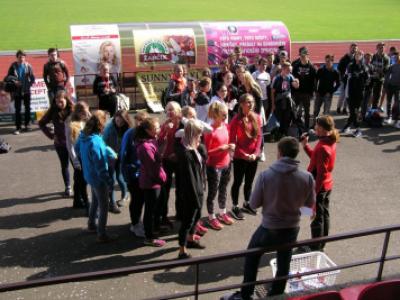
215, 224
224, 218
237, 213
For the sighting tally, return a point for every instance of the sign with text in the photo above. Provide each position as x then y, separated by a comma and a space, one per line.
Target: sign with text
164, 46
93, 45
253, 38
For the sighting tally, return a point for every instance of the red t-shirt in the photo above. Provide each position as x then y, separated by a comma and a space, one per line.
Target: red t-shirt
244, 144
218, 137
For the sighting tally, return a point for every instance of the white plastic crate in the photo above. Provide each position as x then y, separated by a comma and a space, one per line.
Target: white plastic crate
306, 262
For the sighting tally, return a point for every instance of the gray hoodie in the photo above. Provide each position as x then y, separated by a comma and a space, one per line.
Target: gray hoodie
281, 190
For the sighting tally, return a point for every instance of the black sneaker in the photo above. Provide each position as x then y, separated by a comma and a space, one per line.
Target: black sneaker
194, 245
247, 208
237, 213
184, 255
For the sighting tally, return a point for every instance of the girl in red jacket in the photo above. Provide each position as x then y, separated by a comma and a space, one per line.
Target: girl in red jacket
321, 166
245, 132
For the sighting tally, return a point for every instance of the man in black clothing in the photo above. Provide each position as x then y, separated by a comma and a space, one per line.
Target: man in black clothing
342, 67
327, 83
305, 72
55, 74
22, 72
381, 62
218, 77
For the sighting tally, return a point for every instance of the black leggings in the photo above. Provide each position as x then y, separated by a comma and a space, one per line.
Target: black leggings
354, 106
188, 225
63, 156
137, 201
151, 197
321, 222
242, 169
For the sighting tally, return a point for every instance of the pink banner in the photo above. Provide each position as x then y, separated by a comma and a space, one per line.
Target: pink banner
253, 38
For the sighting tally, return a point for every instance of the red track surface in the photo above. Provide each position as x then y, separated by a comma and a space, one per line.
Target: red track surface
317, 52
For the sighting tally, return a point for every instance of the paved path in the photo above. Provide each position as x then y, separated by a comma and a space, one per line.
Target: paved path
41, 236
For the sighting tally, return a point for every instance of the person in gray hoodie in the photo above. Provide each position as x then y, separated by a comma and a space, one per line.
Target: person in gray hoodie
281, 191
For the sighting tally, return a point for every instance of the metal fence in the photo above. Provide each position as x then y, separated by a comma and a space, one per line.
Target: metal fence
197, 262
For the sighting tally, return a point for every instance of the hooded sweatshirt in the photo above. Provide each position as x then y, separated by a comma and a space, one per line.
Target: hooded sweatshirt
281, 191
94, 155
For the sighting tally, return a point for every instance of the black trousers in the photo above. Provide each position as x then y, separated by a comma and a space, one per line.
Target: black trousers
137, 201
18, 100
108, 103
188, 225
80, 189
320, 225
151, 197
243, 169
354, 106
376, 92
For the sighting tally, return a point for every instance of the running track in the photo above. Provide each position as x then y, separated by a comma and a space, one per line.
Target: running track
317, 52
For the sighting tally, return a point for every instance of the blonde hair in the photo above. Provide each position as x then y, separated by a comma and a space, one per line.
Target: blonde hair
176, 107
187, 110
193, 129
250, 84
215, 109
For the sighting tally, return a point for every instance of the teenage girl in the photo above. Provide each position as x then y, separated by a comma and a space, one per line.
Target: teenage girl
73, 127
167, 139
112, 136
191, 165
152, 175
218, 164
321, 165
245, 132
59, 111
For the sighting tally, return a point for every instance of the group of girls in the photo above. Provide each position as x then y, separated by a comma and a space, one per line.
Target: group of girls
195, 153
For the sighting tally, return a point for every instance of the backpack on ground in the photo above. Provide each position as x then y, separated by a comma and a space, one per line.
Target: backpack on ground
4, 146
374, 118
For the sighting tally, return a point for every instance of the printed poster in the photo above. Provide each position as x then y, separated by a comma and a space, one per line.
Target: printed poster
93, 45
39, 100
164, 46
253, 38
152, 85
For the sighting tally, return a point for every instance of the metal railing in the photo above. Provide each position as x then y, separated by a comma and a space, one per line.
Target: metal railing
386, 230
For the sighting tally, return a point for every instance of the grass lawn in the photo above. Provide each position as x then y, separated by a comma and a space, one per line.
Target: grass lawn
39, 24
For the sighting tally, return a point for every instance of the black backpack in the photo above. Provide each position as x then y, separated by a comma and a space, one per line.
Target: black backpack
9, 84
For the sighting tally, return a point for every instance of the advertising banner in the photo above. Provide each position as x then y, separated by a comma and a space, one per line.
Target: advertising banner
93, 45
253, 38
164, 46
153, 84
39, 100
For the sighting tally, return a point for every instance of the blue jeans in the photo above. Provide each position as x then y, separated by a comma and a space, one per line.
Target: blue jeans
264, 237
100, 202
116, 174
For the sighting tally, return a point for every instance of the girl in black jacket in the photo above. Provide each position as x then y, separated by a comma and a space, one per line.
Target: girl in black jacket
357, 76
191, 160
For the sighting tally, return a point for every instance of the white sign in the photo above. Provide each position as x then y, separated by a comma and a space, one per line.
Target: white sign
93, 45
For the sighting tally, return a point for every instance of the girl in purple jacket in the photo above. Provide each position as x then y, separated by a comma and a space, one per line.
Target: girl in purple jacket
152, 175
59, 111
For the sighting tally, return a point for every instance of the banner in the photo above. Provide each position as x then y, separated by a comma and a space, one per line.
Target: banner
164, 46
253, 38
93, 45
153, 84
39, 100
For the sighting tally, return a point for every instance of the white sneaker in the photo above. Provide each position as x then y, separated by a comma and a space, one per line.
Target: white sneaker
262, 156
397, 125
345, 130
357, 133
16, 132
137, 230
389, 121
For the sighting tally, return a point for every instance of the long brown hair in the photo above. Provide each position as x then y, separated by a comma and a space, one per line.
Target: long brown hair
327, 123
128, 123
96, 123
147, 124
60, 114
80, 112
252, 116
